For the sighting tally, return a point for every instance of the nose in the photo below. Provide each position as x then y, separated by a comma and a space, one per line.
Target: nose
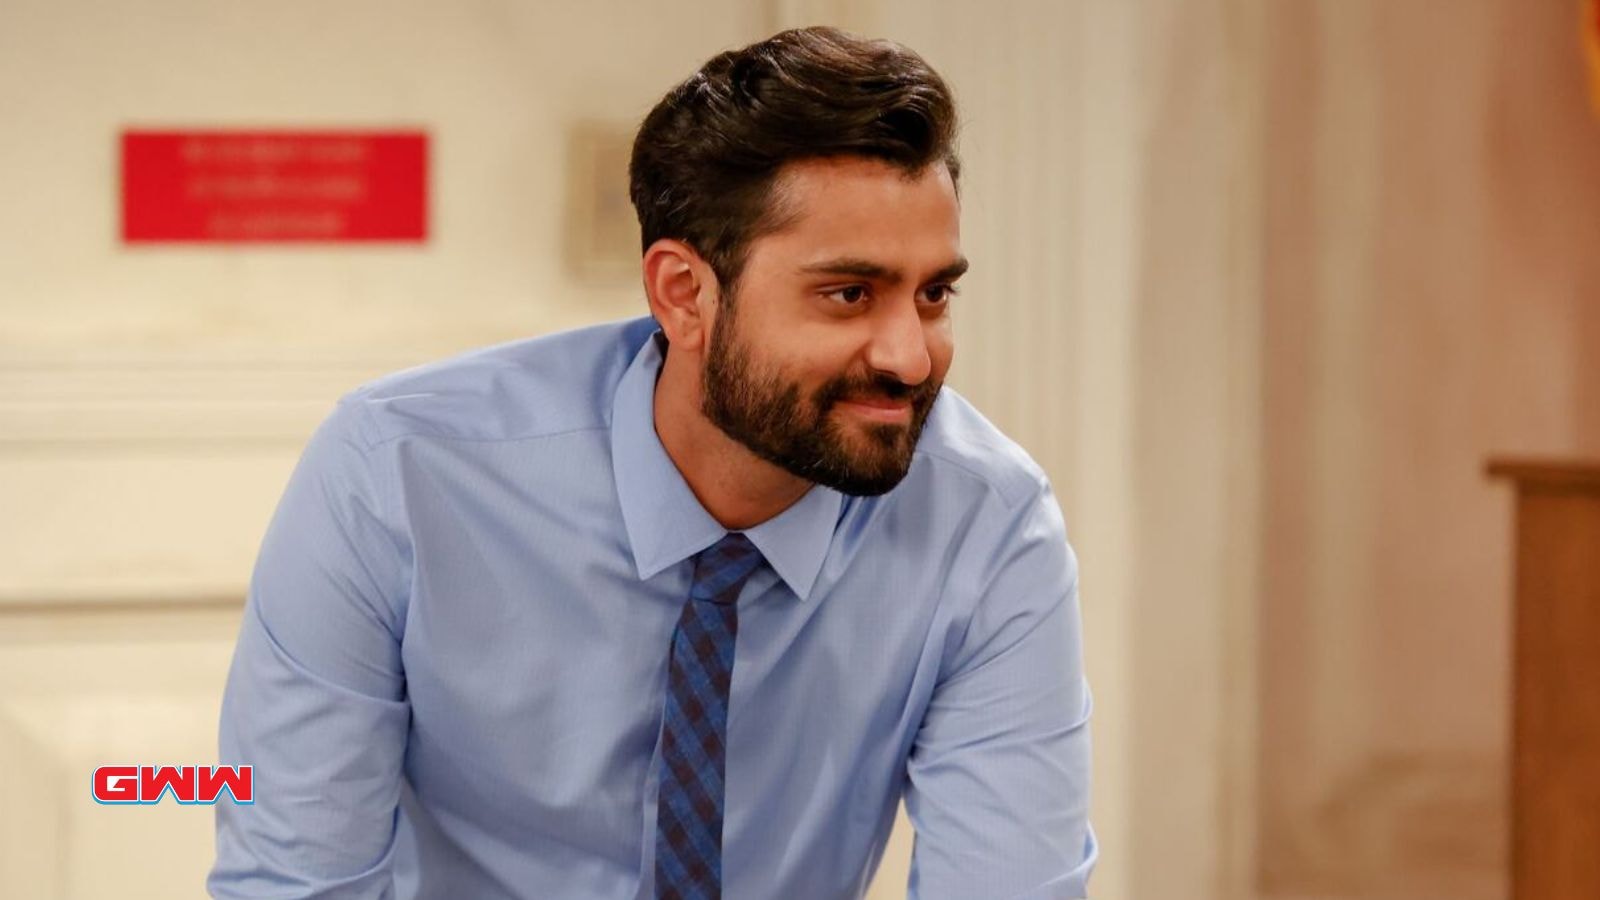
899, 343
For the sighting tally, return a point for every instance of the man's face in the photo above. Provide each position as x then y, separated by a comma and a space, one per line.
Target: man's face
828, 355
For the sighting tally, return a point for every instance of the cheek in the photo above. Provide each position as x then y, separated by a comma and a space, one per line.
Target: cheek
815, 356
805, 369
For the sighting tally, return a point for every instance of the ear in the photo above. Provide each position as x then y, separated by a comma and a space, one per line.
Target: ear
682, 290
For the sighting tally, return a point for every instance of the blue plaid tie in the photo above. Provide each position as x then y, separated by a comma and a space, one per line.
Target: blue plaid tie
695, 724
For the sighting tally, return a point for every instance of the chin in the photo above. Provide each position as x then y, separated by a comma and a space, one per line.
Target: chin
878, 480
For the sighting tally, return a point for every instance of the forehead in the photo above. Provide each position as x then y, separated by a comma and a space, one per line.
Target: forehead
865, 208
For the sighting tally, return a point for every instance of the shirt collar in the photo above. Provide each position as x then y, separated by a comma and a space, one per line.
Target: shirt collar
665, 521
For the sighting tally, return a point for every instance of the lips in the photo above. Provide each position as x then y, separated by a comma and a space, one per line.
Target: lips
878, 409
877, 402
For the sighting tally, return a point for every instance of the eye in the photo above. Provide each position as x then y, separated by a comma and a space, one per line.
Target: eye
939, 293
850, 294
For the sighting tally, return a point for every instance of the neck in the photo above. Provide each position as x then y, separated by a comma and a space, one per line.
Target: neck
738, 488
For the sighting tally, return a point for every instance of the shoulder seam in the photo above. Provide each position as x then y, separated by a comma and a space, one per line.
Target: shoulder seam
372, 437
461, 439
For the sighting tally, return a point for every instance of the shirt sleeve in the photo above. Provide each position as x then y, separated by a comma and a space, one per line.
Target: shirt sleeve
315, 700
998, 787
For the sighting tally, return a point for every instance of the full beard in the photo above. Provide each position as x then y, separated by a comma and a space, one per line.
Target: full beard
771, 418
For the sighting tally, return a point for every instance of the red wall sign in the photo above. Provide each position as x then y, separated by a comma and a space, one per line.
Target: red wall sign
274, 186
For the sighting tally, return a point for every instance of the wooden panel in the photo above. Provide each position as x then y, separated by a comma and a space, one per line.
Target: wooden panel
1556, 755
1556, 706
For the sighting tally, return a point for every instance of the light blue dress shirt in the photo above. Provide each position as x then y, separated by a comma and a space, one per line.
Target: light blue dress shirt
452, 663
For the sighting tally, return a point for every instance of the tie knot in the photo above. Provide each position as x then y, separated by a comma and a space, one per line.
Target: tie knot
721, 569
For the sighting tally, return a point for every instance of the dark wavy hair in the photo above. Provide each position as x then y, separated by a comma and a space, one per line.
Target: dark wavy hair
706, 157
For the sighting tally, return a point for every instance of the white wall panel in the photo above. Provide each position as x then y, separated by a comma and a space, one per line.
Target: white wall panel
85, 685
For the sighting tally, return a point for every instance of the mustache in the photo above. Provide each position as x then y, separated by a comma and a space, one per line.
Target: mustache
877, 387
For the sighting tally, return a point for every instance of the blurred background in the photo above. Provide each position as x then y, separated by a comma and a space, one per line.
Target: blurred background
1261, 283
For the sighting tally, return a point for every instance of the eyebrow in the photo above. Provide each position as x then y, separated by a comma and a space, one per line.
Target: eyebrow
863, 268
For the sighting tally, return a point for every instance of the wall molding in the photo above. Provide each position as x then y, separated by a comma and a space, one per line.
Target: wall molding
109, 404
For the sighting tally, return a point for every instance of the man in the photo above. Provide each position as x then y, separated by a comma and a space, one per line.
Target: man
683, 606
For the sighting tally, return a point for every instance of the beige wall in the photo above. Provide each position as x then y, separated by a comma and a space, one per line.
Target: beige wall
1433, 201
